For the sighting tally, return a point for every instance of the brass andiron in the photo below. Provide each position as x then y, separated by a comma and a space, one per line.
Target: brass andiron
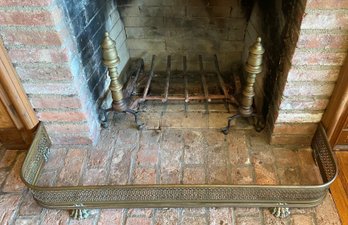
252, 67
119, 103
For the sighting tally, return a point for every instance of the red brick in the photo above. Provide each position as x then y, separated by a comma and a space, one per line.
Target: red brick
77, 139
25, 3
26, 18
144, 176
70, 128
264, 172
296, 140
30, 37
3, 175
140, 212
327, 4
303, 219
238, 149
328, 41
308, 74
8, 206
147, 156
14, 182
120, 167
326, 212
308, 89
170, 175
64, 116
8, 158
110, 216
55, 159
221, 216
98, 158
138, 221
58, 88
55, 102
242, 175
44, 73
56, 217
325, 20
34, 55
295, 128
167, 216
193, 220
318, 58
293, 103
94, 177
252, 212
218, 175
72, 169
29, 207
194, 176
299, 116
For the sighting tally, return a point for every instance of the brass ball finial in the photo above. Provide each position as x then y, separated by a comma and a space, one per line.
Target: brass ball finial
257, 47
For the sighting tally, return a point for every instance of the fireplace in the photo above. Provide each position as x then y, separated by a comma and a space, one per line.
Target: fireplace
58, 57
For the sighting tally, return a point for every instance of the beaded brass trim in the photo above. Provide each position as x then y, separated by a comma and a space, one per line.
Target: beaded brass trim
121, 196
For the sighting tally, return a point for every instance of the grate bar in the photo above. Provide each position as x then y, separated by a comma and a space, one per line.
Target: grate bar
168, 79
185, 79
150, 77
204, 81
221, 81
176, 97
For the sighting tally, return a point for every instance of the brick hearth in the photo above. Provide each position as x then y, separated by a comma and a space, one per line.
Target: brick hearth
168, 152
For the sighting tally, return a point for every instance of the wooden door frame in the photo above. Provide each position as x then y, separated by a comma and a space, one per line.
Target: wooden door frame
15, 99
336, 113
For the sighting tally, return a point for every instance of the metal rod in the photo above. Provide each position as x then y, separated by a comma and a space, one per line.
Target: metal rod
221, 81
168, 78
185, 79
150, 78
213, 97
204, 82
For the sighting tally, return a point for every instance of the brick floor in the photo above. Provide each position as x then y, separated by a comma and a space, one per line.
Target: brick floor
175, 152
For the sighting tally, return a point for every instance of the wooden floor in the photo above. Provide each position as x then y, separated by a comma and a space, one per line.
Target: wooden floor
339, 188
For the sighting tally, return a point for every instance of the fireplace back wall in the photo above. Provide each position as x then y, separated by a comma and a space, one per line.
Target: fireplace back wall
181, 27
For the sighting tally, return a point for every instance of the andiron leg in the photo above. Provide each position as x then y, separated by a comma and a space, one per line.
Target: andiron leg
258, 122
140, 125
226, 129
103, 116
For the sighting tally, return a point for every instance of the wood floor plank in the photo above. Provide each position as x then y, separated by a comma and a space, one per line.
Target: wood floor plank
339, 188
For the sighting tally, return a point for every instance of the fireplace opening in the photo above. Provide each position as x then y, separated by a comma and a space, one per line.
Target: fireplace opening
213, 37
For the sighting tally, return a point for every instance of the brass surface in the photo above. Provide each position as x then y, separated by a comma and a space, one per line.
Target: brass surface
252, 67
124, 196
110, 60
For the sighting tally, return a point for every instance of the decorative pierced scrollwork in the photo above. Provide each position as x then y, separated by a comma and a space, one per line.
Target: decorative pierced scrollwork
177, 195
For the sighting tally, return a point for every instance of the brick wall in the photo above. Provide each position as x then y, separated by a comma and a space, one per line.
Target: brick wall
54, 46
180, 27
311, 68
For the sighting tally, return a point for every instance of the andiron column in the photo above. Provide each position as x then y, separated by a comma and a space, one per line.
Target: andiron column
253, 67
119, 103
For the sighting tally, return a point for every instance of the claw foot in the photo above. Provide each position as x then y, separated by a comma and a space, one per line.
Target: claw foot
281, 211
80, 214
